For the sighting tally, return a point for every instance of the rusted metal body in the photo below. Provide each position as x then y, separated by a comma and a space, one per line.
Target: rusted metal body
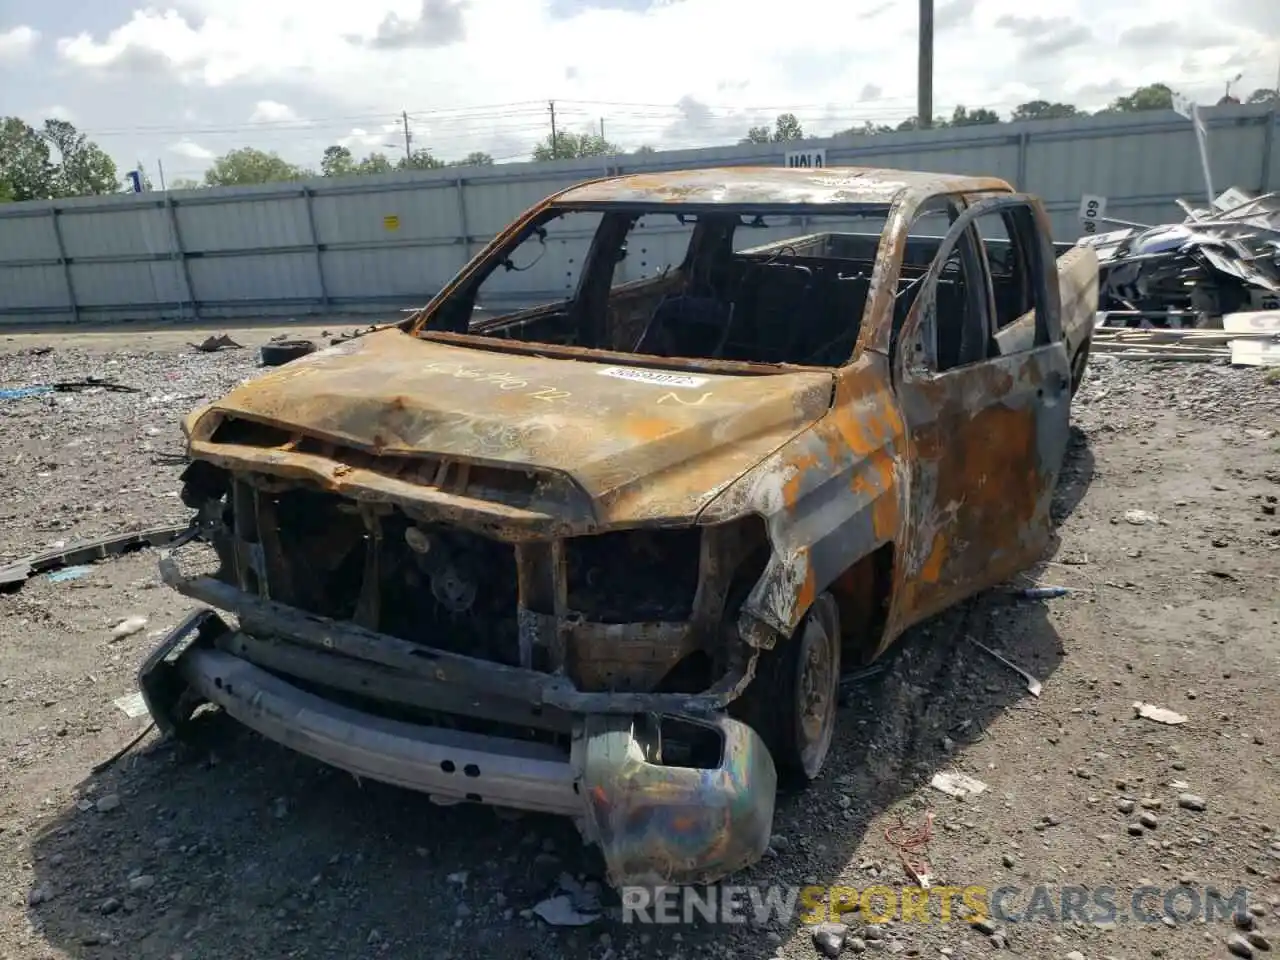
535, 560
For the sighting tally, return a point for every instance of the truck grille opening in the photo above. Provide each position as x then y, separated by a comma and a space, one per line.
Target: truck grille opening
432, 584
634, 575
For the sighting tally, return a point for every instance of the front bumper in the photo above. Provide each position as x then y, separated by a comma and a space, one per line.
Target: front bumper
654, 823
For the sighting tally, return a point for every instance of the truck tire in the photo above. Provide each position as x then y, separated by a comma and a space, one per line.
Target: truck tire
793, 698
282, 351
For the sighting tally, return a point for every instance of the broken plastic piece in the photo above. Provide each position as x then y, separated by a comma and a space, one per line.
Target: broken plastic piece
959, 785
1150, 711
15, 574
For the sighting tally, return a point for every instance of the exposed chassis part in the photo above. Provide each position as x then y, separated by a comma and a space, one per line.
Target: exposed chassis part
654, 822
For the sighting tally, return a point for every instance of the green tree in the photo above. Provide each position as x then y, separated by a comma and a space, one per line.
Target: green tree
53, 161
376, 163
1043, 110
1154, 96
418, 160
912, 123
567, 146
785, 127
337, 162
1263, 95
643, 150
6, 192
249, 165
83, 168
868, 129
960, 117
477, 158
25, 163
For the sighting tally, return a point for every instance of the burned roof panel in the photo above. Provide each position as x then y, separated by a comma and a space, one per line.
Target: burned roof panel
774, 185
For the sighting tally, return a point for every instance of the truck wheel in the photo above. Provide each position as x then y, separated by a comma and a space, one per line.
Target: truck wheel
791, 703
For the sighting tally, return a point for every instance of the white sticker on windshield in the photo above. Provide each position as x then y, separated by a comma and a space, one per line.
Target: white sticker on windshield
657, 377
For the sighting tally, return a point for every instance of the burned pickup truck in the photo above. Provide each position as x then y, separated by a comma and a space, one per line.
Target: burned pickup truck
607, 555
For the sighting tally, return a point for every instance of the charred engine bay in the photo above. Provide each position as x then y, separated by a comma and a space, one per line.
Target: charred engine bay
453, 589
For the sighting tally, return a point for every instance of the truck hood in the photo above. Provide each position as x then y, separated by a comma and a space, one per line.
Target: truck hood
640, 442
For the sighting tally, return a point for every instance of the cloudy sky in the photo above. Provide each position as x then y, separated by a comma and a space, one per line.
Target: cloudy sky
184, 80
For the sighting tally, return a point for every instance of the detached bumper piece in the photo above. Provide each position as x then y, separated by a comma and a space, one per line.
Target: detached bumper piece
655, 822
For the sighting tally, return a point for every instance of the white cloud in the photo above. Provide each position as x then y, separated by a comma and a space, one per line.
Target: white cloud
271, 111
187, 148
377, 141
845, 62
17, 41
57, 112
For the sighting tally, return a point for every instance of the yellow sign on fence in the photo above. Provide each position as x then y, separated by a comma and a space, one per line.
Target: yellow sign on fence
391, 222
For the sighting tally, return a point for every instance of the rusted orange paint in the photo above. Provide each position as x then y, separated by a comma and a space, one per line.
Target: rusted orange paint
931, 571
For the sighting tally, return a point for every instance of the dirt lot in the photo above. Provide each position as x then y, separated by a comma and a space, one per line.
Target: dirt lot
237, 848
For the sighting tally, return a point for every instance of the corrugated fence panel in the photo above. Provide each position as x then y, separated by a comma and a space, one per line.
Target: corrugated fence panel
40, 287
382, 272
248, 224
394, 214
141, 284
27, 238
135, 233
255, 278
493, 205
386, 242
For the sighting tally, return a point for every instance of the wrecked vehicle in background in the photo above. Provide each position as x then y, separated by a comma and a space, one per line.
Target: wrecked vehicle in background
606, 556
1215, 262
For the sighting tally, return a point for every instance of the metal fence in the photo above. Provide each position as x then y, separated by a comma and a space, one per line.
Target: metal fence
381, 243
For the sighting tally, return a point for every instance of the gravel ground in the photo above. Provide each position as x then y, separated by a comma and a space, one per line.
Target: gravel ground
237, 848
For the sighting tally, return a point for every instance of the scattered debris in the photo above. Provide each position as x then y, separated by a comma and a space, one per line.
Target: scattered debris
93, 383
128, 627
18, 393
1239, 946
99, 767
213, 344
132, 706
1033, 685
14, 575
574, 905
1255, 338
559, 911
829, 938
1044, 593
1150, 711
1140, 517
907, 840
68, 573
959, 785
282, 351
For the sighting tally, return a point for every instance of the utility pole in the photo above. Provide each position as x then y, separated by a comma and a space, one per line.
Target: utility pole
160, 167
408, 137
924, 78
555, 144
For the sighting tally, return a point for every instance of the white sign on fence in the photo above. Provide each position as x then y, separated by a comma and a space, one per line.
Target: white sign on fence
808, 159
1092, 209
